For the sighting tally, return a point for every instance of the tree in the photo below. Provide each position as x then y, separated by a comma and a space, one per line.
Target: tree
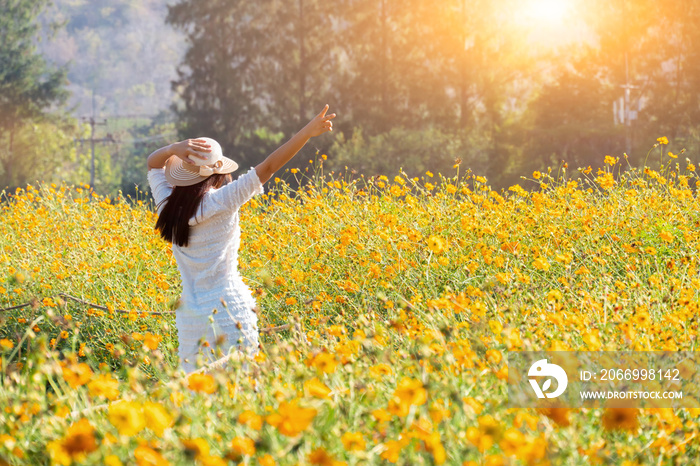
28, 85
254, 71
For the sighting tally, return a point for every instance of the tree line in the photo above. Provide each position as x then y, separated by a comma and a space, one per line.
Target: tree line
419, 85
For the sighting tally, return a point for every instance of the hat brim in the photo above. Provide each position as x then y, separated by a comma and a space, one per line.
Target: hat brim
178, 175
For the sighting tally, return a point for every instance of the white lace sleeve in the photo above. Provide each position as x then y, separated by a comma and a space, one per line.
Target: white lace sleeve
160, 188
233, 195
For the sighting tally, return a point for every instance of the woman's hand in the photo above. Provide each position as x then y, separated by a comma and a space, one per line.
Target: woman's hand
188, 147
320, 124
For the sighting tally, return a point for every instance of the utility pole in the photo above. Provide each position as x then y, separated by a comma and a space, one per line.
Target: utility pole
108, 139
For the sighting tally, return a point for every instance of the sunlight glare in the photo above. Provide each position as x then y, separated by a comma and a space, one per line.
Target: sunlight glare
548, 11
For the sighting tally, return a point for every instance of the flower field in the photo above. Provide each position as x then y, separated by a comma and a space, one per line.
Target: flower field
392, 303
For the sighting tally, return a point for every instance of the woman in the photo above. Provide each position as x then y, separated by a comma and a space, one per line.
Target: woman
198, 213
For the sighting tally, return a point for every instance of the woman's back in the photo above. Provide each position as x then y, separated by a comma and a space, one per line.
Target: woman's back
208, 265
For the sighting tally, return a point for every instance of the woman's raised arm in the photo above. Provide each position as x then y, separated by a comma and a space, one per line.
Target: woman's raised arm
320, 124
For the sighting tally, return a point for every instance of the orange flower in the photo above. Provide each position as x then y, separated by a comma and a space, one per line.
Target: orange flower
146, 456
621, 418
392, 448
436, 244
291, 419
204, 383
321, 457
79, 440
127, 417
104, 385
151, 341
77, 374
379, 370
353, 441
243, 446
324, 362
157, 417
317, 389
251, 419
410, 392
559, 415
197, 447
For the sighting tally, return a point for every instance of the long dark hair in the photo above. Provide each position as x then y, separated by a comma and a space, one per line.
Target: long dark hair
181, 205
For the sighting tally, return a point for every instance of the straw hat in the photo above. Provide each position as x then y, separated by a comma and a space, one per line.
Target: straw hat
181, 174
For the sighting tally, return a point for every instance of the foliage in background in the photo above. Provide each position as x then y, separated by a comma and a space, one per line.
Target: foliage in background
412, 150
253, 72
29, 88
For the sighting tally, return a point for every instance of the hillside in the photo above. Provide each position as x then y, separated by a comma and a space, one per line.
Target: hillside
121, 49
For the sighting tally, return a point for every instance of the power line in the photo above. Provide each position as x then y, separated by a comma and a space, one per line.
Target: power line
147, 139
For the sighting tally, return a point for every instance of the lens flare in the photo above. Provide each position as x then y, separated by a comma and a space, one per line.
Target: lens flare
548, 11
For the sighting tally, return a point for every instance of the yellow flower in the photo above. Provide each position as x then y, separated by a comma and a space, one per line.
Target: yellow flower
559, 415
113, 460
127, 417
379, 370
251, 419
324, 362
488, 432
213, 461
610, 160
146, 456
243, 446
621, 418
666, 236
104, 385
177, 398
436, 244
393, 448
434, 446
662, 140
321, 457
606, 181
7, 344
157, 417
317, 389
353, 441
57, 454
77, 374
541, 264
197, 447
536, 175
672, 155
79, 440
411, 392
291, 419
204, 383
381, 415
151, 341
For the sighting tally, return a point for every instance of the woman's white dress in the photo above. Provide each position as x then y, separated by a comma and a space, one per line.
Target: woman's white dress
209, 270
